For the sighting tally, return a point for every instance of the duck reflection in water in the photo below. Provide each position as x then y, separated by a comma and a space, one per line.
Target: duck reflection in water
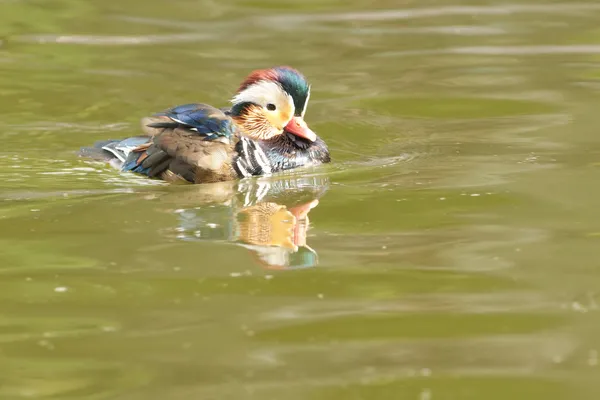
269, 217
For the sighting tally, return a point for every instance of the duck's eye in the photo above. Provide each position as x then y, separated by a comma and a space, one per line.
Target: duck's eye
271, 107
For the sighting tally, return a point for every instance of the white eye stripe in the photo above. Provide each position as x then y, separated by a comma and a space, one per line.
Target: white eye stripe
263, 93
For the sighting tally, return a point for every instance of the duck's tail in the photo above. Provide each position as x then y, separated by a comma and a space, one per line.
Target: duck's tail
113, 151
97, 151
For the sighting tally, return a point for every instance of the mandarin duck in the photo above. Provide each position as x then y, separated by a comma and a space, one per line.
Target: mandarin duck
262, 133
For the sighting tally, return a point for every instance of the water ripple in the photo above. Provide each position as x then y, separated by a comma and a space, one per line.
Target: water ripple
104, 40
386, 15
501, 50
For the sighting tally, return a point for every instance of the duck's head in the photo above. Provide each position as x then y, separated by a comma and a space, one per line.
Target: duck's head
272, 101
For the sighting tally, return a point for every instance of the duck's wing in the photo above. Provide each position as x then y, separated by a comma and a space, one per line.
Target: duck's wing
186, 141
209, 122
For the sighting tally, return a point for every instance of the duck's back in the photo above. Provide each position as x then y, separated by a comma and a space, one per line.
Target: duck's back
192, 142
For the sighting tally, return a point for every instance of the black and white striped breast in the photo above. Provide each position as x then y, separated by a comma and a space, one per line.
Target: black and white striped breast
251, 159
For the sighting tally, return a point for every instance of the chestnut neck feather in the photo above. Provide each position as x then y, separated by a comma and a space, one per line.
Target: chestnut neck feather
251, 121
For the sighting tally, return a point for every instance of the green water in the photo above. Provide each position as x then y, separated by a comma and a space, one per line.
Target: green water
451, 251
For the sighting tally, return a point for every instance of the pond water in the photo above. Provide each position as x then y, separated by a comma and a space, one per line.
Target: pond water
450, 251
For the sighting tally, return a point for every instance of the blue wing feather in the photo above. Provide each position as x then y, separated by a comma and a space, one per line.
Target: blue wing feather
206, 120
131, 164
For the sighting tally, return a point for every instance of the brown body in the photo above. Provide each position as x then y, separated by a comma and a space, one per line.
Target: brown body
187, 158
